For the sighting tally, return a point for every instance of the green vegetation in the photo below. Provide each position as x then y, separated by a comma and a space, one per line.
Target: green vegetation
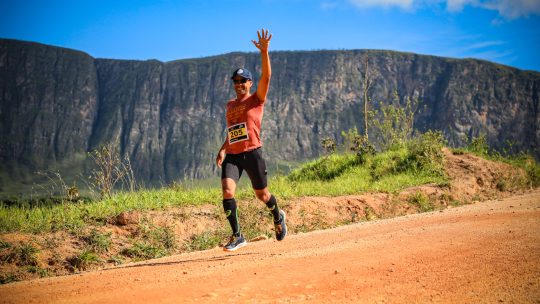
418, 161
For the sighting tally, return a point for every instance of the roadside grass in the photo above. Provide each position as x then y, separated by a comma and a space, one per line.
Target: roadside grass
417, 162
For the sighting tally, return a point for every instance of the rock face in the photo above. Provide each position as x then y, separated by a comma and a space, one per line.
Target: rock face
168, 117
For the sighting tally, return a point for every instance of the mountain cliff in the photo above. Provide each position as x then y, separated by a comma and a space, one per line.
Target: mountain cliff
168, 117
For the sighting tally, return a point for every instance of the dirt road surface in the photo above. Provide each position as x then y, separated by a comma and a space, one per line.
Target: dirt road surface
488, 252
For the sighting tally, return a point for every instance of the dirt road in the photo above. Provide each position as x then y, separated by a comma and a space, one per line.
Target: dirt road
487, 252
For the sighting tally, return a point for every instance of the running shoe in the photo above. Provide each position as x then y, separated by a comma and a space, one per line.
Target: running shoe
235, 242
281, 227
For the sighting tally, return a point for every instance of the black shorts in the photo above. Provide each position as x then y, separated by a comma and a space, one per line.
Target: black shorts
252, 162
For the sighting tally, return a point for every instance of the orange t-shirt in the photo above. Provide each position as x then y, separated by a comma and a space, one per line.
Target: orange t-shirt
244, 124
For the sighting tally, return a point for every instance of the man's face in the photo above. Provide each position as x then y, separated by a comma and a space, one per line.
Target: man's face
241, 85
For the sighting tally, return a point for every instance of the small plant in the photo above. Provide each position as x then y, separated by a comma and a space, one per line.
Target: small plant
98, 242
110, 169
23, 255
72, 193
4, 245
478, 145
328, 145
83, 260
369, 213
6, 278
420, 200
38, 270
363, 148
116, 260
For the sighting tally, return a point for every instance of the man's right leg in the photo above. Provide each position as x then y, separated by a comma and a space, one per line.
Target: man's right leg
228, 187
237, 240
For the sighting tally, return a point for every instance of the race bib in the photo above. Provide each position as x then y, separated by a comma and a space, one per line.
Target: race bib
237, 133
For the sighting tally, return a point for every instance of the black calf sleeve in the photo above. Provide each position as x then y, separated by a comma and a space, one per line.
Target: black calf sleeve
273, 207
231, 212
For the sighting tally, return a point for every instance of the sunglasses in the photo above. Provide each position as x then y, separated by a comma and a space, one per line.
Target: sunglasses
239, 81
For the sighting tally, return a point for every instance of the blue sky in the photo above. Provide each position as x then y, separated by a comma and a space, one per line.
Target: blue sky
503, 31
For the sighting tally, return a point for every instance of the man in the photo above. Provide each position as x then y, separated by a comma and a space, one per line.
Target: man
242, 151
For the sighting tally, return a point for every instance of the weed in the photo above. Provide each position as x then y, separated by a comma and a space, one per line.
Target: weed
420, 200
501, 185
110, 169
116, 260
5, 245
369, 213
83, 260
98, 242
329, 145
478, 145
6, 278
38, 270
23, 255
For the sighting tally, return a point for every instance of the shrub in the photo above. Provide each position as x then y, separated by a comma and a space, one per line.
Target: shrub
329, 145
425, 153
395, 122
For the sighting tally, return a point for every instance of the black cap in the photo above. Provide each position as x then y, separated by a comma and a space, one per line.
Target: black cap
242, 73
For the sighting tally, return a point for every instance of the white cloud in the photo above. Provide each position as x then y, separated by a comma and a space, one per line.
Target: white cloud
508, 9
512, 9
457, 5
404, 4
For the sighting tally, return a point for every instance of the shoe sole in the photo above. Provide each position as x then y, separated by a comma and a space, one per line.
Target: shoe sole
284, 224
244, 244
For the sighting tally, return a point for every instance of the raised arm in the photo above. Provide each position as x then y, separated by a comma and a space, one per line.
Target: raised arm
262, 45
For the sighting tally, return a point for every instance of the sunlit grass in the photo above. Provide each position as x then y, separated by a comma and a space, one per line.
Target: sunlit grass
335, 175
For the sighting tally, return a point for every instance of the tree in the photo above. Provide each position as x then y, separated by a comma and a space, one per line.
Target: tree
365, 86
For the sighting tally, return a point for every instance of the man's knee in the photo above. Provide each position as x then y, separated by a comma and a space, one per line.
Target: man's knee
228, 193
263, 195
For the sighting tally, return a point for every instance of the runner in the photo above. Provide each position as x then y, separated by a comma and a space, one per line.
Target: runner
242, 150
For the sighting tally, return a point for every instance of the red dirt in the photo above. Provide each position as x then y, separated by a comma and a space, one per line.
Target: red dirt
485, 252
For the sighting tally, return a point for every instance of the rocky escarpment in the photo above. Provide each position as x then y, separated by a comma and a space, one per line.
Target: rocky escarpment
168, 117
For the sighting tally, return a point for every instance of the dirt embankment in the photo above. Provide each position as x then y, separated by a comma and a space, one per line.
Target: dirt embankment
487, 252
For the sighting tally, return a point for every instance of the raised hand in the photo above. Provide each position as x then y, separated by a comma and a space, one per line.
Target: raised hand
264, 40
